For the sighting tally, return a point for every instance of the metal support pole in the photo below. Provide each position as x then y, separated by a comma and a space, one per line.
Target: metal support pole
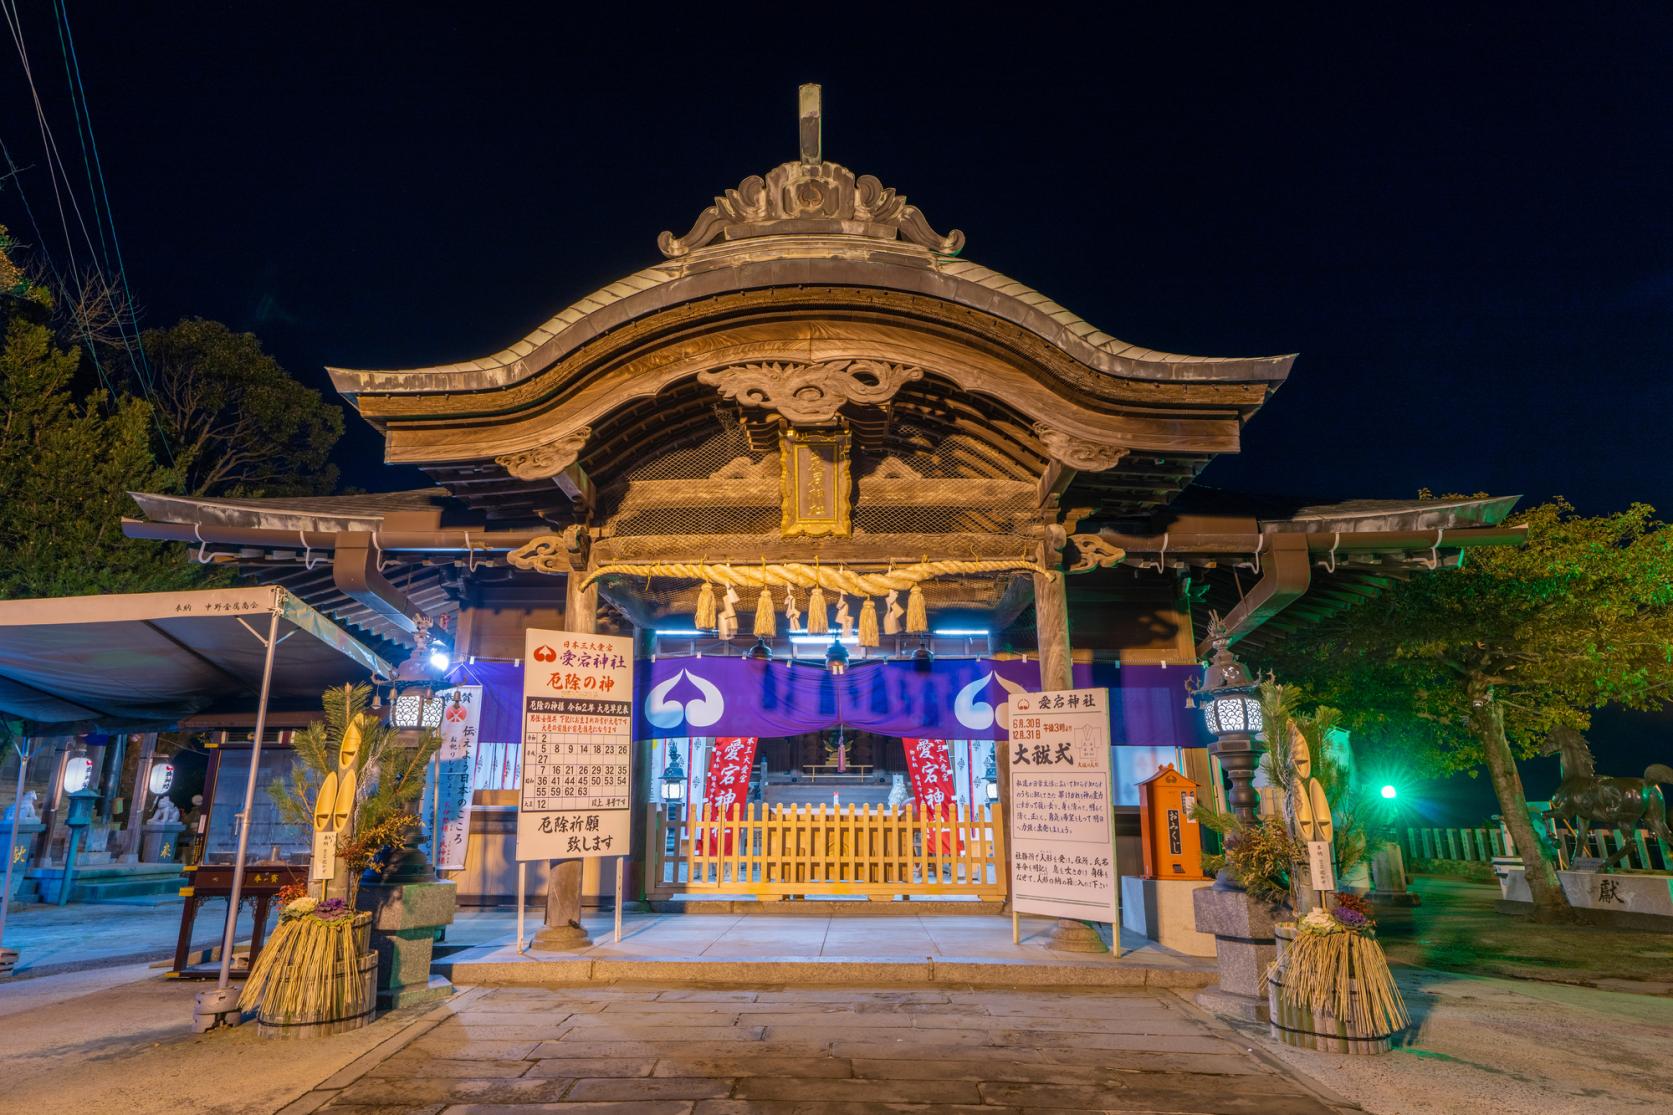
619, 861
221, 1004
11, 846
249, 805
435, 812
522, 898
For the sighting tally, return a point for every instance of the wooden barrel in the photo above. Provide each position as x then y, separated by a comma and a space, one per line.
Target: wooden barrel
350, 1016
1308, 1029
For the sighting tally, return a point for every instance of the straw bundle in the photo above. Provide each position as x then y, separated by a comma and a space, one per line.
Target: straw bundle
818, 619
766, 621
868, 624
309, 971
917, 615
704, 620
1322, 972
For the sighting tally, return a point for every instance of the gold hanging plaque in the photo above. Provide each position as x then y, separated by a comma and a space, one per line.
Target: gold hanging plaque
814, 483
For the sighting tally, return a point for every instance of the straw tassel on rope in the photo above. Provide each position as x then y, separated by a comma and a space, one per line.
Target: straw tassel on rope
704, 620
917, 615
766, 623
818, 619
868, 624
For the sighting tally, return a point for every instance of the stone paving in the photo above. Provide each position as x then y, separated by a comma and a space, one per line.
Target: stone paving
53, 939
811, 1051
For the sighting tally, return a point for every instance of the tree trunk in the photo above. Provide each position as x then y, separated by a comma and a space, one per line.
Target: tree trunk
1543, 886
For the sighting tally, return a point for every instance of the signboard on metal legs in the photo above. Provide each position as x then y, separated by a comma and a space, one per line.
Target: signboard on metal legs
577, 786
1062, 837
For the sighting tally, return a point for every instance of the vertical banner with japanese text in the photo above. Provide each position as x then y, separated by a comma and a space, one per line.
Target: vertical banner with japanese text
455, 764
1062, 841
577, 777
929, 763
726, 787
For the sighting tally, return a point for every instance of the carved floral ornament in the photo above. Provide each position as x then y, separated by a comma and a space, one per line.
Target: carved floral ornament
810, 198
1078, 453
545, 461
811, 393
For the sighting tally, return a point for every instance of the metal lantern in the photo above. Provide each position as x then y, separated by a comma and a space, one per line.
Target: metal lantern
417, 707
161, 778
673, 779
1231, 707
836, 657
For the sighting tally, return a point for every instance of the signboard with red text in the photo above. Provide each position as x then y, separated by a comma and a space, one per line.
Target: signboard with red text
577, 782
1062, 844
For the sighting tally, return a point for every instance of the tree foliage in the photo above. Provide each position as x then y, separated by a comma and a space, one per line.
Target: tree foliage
389, 775
1474, 666
237, 422
65, 469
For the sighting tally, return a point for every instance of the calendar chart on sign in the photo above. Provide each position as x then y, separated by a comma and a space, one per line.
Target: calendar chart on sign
576, 795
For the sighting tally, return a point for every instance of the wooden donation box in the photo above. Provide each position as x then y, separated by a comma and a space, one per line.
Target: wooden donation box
1172, 841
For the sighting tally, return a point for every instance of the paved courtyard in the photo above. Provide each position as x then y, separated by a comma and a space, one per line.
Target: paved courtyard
812, 1051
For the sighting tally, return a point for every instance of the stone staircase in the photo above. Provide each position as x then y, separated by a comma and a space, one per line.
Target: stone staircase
126, 884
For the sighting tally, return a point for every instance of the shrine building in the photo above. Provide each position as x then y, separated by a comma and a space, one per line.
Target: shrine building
815, 439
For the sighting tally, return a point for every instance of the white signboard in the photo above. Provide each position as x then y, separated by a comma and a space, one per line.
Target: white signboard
324, 865
1320, 866
577, 784
1062, 844
455, 761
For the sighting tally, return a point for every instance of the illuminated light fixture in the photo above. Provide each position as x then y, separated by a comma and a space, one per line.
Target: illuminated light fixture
1231, 710
161, 778
836, 657
673, 780
1390, 792
416, 704
78, 774
823, 640
923, 654
682, 632
961, 632
439, 658
760, 652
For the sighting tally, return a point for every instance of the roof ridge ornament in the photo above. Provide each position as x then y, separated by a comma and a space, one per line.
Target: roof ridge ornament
810, 197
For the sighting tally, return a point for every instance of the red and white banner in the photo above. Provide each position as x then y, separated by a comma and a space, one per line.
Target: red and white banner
726, 787
929, 762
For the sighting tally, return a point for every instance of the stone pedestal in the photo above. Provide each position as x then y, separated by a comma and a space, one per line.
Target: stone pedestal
1244, 945
1068, 935
405, 917
563, 910
1388, 877
155, 837
1161, 910
18, 854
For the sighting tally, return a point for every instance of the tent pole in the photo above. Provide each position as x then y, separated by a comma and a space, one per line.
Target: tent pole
249, 805
11, 846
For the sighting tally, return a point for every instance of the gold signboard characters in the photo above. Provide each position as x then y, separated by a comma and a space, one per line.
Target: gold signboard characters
815, 483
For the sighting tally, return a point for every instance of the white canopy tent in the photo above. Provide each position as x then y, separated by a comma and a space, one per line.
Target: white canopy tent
149, 659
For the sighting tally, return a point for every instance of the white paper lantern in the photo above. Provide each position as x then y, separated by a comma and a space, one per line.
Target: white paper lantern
78, 774
162, 778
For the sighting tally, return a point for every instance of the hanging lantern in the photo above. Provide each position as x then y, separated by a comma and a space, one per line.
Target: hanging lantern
161, 779
78, 774
836, 657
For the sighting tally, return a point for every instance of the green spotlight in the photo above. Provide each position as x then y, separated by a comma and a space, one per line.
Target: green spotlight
1390, 792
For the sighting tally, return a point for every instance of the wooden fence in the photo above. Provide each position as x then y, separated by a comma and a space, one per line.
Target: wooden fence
1480, 845
775, 852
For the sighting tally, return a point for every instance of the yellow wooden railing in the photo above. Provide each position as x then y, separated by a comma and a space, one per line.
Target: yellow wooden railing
775, 852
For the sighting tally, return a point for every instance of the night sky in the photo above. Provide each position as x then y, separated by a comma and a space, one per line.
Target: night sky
1459, 219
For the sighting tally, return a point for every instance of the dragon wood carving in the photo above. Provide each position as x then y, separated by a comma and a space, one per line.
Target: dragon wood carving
811, 394
814, 199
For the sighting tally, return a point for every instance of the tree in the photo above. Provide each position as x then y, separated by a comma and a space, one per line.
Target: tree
65, 470
235, 421
1477, 665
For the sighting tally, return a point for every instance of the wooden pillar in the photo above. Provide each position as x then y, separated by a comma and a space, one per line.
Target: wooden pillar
140, 799
563, 929
1051, 625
